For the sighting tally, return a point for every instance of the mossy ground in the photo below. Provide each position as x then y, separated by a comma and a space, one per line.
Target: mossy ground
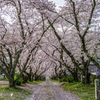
7, 93
84, 92
34, 82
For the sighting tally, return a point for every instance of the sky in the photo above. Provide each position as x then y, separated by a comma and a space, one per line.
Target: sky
58, 2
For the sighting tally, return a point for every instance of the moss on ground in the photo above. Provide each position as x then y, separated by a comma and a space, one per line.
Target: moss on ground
7, 93
85, 92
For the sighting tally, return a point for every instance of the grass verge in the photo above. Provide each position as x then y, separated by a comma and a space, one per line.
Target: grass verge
34, 82
55, 81
7, 93
3, 79
82, 91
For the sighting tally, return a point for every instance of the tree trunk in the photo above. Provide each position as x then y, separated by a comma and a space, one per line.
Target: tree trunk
85, 77
75, 76
12, 83
30, 77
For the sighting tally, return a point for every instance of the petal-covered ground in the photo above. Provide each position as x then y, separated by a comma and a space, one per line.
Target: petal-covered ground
51, 91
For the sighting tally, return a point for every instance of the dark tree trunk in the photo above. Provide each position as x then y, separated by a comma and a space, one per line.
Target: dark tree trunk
12, 83
86, 77
30, 77
36, 79
75, 76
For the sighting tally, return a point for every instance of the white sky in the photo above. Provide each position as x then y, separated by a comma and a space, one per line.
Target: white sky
58, 2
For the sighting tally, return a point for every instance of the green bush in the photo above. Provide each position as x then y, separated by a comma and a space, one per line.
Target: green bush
64, 79
20, 80
3, 79
70, 79
67, 79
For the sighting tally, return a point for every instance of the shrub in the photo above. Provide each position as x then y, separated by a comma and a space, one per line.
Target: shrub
3, 79
70, 79
64, 79
20, 80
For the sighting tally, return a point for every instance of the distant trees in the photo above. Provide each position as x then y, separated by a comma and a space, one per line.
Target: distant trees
38, 66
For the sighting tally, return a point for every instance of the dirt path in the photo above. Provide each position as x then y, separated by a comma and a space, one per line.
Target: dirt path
51, 91
4, 83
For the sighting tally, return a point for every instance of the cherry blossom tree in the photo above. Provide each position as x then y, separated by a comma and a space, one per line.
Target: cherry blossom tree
79, 44
82, 13
20, 36
64, 40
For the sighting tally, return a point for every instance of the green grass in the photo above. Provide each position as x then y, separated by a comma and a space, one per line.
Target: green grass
3, 79
18, 93
34, 82
55, 80
82, 91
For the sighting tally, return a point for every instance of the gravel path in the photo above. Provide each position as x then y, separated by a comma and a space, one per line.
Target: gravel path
51, 91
